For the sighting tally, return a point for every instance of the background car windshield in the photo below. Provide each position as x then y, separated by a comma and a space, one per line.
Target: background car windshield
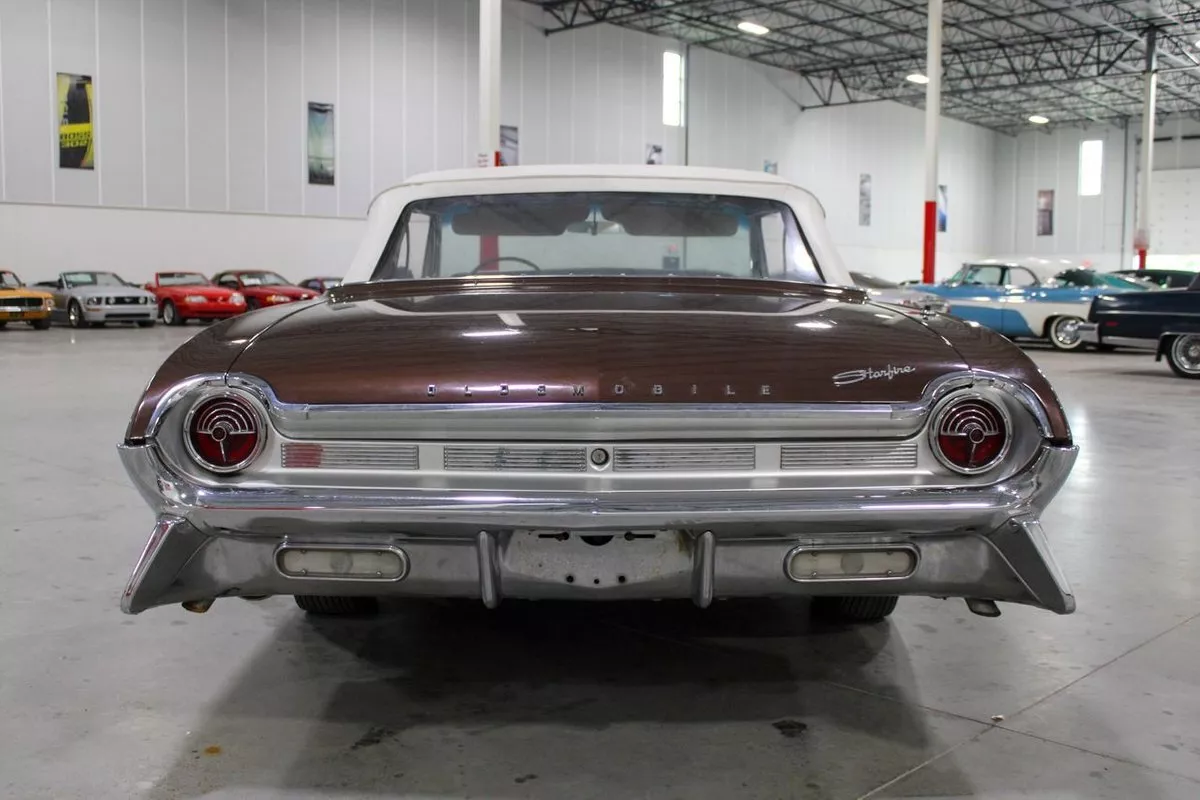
9, 280
181, 279
597, 233
1090, 279
978, 275
92, 279
872, 281
262, 279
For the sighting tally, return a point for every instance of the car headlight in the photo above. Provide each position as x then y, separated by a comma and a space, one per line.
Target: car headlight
48, 304
237, 299
195, 298
144, 301
278, 298
94, 301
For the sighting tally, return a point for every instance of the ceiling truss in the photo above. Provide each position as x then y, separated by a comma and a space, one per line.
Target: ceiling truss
1074, 61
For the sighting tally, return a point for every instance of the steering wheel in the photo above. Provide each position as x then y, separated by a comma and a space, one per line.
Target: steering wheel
498, 259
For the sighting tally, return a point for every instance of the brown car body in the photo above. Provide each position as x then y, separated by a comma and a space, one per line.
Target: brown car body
607, 340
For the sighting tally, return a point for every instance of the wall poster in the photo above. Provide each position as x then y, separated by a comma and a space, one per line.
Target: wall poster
510, 146
321, 169
654, 154
864, 200
75, 132
1045, 212
942, 209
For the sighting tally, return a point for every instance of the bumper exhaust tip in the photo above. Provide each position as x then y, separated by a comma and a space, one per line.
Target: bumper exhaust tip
198, 606
984, 608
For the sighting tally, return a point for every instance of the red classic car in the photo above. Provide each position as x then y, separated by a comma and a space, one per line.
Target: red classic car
262, 288
189, 295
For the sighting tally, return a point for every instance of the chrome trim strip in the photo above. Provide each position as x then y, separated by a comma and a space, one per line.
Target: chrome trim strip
1134, 342
849, 455
339, 510
626, 421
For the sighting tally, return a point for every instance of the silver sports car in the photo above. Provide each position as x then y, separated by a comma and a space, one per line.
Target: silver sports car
90, 299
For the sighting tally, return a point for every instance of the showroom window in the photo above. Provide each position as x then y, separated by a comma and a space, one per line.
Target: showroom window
673, 78
1091, 167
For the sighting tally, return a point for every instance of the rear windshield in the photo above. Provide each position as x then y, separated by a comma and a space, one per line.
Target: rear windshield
597, 233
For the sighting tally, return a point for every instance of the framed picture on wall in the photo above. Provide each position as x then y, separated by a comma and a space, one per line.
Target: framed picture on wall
1045, 212
321, 153
75, 131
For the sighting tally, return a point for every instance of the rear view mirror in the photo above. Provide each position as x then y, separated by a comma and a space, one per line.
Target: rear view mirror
657, 219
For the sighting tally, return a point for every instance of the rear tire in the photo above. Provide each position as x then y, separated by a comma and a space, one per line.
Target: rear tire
1063, 333
41, 324
323, 605
856, 608
3, 324
1183, 355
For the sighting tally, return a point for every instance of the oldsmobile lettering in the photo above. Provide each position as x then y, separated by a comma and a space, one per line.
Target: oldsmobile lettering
869, 374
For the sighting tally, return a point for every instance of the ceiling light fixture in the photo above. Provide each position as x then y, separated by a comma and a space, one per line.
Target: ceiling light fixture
754, 28
917, 77
1038, 119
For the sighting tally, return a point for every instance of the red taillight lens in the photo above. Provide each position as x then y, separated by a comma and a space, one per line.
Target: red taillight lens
970, 435
224, 434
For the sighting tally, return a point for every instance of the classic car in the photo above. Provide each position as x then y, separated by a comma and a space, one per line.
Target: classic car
882, 290
21, 304
1162, 278
320, 285
261, 288
1166, 322
1034, 299
189, 295
87, 298
597, 383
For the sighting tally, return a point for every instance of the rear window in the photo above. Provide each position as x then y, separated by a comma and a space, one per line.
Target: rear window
597, 233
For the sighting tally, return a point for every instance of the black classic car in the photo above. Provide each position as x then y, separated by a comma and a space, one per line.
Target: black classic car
1162, 278
1167, 322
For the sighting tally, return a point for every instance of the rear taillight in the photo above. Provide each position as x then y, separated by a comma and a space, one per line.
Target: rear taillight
224, 434
970, 435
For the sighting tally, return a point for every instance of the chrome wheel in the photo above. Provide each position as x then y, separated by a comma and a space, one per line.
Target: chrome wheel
75, 315
1184, 356
1064, 333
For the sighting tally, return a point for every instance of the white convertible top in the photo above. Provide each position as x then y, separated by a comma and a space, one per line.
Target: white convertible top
385, 209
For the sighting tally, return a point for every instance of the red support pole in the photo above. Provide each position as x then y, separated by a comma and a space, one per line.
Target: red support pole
1141, 258
927, 272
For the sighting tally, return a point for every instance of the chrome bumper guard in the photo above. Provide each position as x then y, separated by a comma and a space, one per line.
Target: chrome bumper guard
976, 542
1089, 332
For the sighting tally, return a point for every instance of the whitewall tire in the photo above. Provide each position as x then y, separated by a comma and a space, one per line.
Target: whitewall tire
1063, 333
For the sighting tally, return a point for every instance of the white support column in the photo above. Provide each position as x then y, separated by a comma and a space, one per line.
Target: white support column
1141, 235
933, 110
489, 82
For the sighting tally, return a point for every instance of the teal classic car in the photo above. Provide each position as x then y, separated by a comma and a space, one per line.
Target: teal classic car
1033, 299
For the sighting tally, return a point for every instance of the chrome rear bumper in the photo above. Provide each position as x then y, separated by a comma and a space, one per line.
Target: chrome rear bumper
980, 542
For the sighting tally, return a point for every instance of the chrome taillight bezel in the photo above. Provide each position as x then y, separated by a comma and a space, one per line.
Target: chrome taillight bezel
947, 405
249, 404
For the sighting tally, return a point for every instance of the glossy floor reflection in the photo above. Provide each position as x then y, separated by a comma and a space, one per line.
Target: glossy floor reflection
448, 700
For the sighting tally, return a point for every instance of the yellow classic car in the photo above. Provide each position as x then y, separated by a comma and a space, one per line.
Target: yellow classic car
19, 304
